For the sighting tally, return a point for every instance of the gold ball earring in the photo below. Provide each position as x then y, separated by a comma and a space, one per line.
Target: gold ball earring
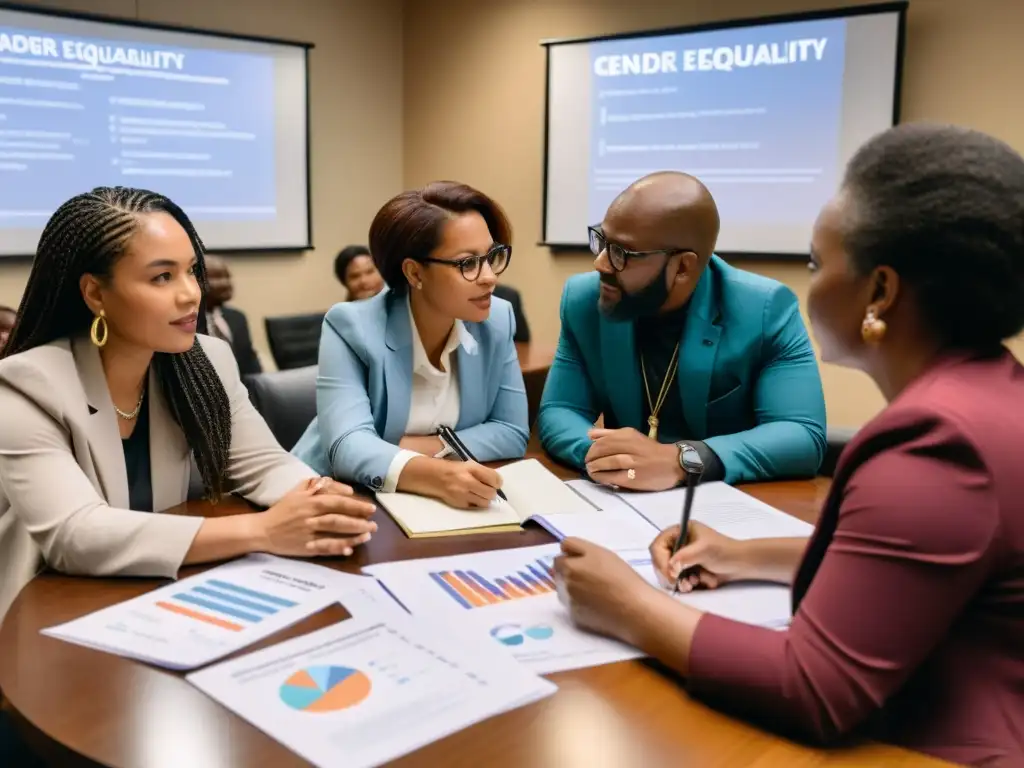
873, 328
98, 323
419, 286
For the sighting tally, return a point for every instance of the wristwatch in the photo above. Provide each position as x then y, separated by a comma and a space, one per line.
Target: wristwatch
690, 460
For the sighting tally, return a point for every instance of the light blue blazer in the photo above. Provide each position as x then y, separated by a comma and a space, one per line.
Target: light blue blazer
364, 390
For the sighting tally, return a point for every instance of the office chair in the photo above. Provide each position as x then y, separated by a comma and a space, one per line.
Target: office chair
294, 339
286, 400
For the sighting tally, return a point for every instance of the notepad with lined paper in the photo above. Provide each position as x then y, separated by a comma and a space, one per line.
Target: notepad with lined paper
532, 491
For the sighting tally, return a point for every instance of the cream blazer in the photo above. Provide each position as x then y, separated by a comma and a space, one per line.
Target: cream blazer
63, 482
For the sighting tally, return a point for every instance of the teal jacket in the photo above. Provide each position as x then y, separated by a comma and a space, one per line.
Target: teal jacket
747, 375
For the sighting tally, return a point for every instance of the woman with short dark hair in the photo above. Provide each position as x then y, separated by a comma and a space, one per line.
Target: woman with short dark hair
434, 349
908, 600
355, 270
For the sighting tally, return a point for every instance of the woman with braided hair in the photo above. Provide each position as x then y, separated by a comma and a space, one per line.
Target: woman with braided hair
105, 390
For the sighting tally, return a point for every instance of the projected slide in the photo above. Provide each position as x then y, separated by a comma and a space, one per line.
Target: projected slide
218, 124
724, 106
766, 114
76, 113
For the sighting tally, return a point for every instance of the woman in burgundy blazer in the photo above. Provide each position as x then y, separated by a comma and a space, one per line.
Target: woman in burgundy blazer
909, 598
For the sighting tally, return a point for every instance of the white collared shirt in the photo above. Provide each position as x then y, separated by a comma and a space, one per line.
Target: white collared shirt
217, 325
435, 394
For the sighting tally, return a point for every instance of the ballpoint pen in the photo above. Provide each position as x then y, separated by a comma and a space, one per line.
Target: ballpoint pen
693, 468
448, 436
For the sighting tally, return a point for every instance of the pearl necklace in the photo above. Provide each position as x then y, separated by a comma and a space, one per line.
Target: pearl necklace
138, 408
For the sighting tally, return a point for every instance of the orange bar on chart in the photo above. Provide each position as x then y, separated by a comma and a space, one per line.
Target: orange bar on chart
482, 593
183, 611
467, 594
510, 590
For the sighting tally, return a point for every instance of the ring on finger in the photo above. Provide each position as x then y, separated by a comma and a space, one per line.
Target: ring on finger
631, 473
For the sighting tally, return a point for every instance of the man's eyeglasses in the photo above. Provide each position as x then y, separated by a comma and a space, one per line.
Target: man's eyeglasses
498, 258
618, 256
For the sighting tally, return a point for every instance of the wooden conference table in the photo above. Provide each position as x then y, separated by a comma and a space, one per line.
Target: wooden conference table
83, 707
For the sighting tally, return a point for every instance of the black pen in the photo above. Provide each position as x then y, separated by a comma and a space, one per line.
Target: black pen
448, 436
684, 524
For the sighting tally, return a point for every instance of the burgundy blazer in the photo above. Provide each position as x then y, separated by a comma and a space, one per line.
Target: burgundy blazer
909, 603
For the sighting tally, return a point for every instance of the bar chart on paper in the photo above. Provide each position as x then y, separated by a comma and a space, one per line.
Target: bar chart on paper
471, 590
508, 598
188, 623
225, 605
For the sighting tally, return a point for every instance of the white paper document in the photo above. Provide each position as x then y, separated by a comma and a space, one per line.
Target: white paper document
722, 507
364, 692
200, 619
612, 523
758, 603
506, 599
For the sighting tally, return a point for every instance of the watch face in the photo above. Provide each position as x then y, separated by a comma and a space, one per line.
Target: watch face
690, 459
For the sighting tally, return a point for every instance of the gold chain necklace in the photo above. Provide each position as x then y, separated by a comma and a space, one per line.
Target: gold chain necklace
670, 374
131, 416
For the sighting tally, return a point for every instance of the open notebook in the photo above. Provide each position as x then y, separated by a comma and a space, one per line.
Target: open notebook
531, 489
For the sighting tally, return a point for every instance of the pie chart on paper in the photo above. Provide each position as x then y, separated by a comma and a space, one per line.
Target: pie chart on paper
325, 689
514, 634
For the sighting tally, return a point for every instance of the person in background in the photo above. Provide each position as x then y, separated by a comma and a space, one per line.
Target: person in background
908, 601
681, 353
355, 270
105, 390
433, 349
7, 318
227, 323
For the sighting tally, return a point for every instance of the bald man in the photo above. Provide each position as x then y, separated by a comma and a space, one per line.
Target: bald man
691, 362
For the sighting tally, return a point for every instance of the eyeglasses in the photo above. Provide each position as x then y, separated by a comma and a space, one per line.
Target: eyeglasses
618, 256
498, 258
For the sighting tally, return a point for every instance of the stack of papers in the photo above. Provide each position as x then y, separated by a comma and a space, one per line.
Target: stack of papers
484, 625
628, 522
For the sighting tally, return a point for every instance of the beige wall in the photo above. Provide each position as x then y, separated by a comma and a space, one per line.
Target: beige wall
474, 110
356, 84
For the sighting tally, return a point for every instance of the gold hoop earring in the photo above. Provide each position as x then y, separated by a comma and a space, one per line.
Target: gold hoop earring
873, 328
94, 332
